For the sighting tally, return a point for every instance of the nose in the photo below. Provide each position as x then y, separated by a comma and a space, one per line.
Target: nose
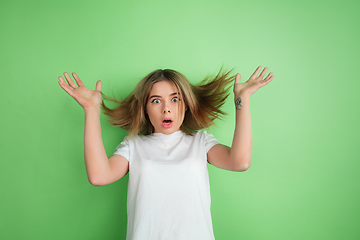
166, 108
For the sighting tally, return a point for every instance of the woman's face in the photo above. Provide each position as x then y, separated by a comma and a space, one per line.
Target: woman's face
165, 108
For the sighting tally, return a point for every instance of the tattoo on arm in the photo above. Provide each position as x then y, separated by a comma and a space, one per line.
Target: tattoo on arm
238, 103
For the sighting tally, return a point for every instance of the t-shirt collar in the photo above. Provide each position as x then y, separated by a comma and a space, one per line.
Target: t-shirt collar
172, 135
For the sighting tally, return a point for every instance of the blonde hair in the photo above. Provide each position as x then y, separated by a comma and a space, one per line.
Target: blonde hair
203, 102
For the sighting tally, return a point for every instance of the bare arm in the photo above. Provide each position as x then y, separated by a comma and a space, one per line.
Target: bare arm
238, 157
100, 169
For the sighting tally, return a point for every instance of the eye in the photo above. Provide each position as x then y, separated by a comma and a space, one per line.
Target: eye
175, 99
156, 100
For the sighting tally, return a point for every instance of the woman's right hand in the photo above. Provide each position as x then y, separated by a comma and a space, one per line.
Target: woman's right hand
85, 97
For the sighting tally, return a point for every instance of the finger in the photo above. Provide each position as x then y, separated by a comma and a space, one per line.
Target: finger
237, 78
262, 74
66, 87
61, 79
98, 86
77, 79
268, 76
254, 75
265, 82
69, 80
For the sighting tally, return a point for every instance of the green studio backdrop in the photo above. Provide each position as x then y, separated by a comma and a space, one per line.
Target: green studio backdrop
304, 179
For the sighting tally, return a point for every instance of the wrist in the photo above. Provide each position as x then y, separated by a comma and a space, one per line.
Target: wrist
242, 95
241, 100
95, 109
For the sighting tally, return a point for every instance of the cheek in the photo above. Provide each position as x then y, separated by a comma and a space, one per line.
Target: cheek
150, 111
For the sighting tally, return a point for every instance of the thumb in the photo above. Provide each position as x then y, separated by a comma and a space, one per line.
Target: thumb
237, 78
98, 86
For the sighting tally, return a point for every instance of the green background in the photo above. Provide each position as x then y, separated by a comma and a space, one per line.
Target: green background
304, 181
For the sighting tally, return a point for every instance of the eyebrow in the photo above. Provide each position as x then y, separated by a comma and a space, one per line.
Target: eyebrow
157, 96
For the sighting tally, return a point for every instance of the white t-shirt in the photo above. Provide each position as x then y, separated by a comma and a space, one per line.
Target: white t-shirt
168, 192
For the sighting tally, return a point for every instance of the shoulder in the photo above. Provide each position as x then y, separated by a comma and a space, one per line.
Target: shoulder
203, 134
129, 140
136, 138
206, 138
130, 143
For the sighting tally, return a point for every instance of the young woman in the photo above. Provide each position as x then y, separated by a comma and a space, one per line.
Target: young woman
165, 153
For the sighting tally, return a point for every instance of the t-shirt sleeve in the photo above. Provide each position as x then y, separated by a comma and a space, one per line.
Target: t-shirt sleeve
210, 141
123, 149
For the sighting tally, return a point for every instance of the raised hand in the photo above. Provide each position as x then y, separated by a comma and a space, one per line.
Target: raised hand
255, 82
85, 97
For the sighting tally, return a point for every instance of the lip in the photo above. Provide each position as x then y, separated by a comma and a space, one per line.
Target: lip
167, 125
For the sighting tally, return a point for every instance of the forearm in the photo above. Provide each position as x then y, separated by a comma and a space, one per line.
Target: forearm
241, 148
96, 160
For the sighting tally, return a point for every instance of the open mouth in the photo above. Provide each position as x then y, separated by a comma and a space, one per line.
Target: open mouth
167, 122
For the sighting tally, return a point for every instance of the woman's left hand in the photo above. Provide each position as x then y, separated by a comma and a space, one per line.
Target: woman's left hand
255, 82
